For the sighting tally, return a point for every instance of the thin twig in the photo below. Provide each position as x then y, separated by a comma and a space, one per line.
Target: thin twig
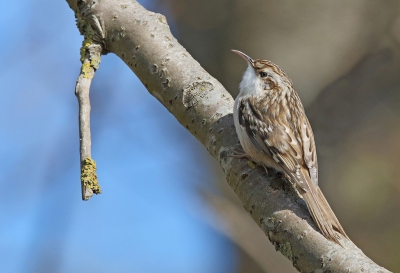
90, 58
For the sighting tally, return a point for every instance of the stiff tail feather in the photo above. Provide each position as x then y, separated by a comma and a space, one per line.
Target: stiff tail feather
323, 215
333, 220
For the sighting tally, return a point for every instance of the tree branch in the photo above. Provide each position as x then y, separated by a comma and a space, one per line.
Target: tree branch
90, 58
142, 39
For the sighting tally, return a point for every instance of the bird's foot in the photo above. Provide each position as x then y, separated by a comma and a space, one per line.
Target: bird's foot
238, 153
266, 170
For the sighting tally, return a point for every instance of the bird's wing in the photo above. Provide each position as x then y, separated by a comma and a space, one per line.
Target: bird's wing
278, 141
309, 150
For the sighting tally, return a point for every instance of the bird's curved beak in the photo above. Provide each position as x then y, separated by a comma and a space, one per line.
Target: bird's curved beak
244, 56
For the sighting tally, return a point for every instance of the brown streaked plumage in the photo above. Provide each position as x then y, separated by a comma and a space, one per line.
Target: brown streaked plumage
274, 131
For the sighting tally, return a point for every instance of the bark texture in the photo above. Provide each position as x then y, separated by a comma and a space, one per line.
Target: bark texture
142, 39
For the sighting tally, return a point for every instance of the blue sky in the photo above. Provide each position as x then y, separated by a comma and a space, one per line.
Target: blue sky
149, 217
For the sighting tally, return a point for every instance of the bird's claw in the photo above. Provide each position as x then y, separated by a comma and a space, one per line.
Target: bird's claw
238, 153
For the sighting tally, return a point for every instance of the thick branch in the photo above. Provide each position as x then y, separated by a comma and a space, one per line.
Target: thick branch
143, 40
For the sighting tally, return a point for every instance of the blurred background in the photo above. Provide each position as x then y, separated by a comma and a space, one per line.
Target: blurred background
167, 207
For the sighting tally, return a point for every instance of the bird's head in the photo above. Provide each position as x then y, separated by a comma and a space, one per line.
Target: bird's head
261, 76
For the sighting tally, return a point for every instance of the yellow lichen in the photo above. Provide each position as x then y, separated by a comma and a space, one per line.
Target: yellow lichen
251, 164
286, 250
89, 177
94, 61
85, 45
87, 70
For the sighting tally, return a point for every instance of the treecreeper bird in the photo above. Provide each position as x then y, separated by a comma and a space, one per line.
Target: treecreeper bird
274, 131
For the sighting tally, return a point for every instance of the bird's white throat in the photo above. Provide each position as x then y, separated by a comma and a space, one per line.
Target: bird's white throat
250, 84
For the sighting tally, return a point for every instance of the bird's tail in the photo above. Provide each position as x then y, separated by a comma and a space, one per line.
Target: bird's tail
323, 215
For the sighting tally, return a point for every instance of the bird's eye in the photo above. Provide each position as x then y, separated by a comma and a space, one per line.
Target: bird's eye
263, 74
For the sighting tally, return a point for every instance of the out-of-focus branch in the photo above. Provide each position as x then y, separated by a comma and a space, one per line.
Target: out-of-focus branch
234, 223
142, 39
